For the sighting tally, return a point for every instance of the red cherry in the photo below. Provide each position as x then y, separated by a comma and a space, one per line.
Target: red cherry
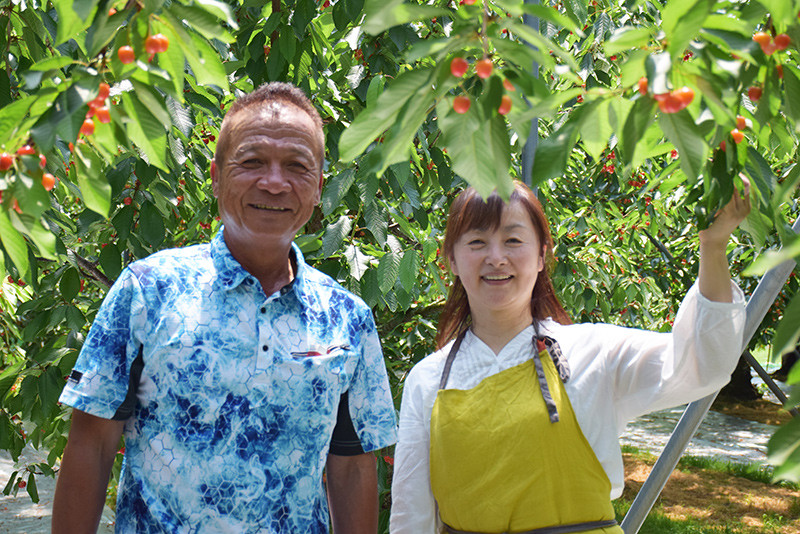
741, 122
48, 181
152, 45
782, 41
26, 150
22, 483
737, 136
461, 104
6, 161
643, 85
127, 201
508, 85
768, 49
458, 67
87, 128
103, 115
484, 68
42, 161
126, 54
754, 93
104, 90
779, 70
685, 95
505, 105
468, 2
762, 38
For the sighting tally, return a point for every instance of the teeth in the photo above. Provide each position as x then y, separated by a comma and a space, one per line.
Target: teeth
269, 208
497, 277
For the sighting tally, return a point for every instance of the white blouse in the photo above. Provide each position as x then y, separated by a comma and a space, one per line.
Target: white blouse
617, 374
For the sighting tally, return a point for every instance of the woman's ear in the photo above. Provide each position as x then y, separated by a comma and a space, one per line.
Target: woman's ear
453, 267
542, 256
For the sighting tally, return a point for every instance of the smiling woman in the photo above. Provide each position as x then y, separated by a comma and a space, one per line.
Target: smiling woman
513, 424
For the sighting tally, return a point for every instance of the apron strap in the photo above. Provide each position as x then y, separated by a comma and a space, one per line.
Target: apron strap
540, 343
558, 529
448, 363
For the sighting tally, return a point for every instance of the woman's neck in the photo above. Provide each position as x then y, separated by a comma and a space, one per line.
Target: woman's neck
497, 331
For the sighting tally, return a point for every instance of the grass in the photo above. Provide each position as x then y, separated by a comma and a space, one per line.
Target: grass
755, 472
660, 521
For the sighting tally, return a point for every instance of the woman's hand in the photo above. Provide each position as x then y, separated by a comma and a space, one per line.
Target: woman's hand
729, 217
714, 278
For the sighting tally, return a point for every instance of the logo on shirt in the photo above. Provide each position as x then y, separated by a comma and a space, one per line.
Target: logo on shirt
319, 351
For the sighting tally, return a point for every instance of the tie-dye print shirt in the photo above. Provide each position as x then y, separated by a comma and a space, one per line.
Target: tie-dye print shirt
238, 393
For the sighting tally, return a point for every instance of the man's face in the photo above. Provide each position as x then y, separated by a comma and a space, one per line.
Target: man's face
270, 180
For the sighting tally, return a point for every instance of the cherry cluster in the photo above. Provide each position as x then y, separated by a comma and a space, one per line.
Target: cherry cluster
484, 69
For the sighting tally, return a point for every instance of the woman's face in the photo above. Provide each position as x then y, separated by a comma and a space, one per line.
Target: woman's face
498, 267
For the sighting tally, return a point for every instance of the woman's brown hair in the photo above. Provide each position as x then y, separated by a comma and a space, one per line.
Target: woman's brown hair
468, 212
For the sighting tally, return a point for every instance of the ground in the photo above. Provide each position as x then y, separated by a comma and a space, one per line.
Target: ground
720, 499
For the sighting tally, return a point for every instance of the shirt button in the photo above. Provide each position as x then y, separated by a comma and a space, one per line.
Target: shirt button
265, 348
264, 310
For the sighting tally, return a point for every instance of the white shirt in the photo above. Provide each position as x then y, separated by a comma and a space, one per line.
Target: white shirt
617, 374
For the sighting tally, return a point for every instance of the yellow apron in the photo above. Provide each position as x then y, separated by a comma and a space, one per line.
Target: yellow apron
509, 457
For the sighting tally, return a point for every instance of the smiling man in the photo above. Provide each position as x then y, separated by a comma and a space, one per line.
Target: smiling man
236, 371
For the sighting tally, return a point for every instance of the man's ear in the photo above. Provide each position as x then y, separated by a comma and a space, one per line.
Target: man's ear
214, 177
321, 178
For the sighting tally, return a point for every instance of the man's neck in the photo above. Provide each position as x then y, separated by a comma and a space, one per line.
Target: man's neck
272, 265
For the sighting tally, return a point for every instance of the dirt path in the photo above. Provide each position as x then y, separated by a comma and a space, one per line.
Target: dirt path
18, 515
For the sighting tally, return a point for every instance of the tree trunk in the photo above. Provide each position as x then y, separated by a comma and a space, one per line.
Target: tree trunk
741, 385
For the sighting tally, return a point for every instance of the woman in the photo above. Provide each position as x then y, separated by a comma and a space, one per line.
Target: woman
513, 424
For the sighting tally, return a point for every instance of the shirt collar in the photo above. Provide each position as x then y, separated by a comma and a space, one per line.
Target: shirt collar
230, 273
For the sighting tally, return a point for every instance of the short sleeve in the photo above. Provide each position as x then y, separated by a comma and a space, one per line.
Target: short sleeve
370, 400
99, 382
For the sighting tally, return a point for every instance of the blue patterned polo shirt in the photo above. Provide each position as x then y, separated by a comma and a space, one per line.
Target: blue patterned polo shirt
237, 395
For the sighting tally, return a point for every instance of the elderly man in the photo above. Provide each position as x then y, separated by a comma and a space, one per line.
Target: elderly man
237, 372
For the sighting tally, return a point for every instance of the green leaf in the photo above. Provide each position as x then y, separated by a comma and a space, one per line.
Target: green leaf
111, 260
681, 130
335, 190
52, 63
760, 173
70, 284
50, 385
376, 218
357, 260
783, 451
74, 16
595, 129
626, 38
151, 224
634, 126
371, 122
384, 14
221, 10
206, 23
32, 490
681, 21
388, 268
541, 42
335, 234
788, 331
479, 148
202, 58
15, 245
409, 266
95, 189
146, 131
542, 13
552, 153
8, 377
791, 80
